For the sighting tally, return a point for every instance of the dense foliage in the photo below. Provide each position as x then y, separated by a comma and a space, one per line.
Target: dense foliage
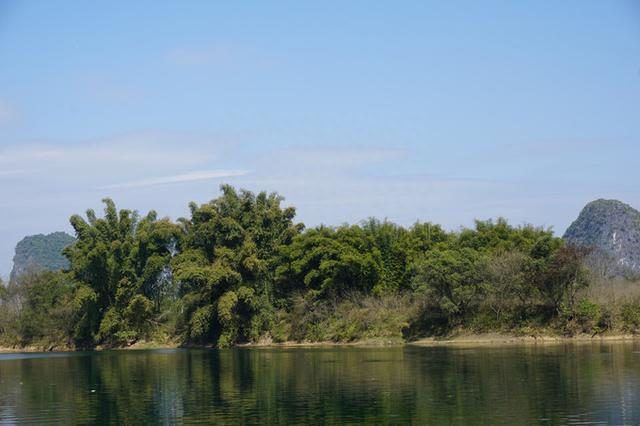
120, 266
225, 270
240, 269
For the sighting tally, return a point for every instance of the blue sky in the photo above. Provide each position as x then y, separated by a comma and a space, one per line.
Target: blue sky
435, 111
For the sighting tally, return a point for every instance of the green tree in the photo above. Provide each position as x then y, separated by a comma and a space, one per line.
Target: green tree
45, 315
561, 277
240, 267
391, 241
4, 314
452, 281
329, 262
226, 268
422, 237
509, 292
116, 260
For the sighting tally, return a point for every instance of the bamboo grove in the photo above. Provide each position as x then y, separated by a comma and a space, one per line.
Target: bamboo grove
240, 269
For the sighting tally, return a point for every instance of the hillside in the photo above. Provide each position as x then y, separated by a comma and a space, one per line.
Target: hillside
612, 228
41, 252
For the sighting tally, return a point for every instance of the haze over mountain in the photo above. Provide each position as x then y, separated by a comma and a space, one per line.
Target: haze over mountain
41, 252
612, 228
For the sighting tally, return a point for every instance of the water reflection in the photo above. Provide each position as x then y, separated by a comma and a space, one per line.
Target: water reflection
509, 385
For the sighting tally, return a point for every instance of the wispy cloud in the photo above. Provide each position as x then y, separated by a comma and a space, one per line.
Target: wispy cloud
159, 170
181, 178
156, 149
133, 159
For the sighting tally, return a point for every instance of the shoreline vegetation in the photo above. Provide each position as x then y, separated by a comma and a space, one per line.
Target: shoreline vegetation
241, 272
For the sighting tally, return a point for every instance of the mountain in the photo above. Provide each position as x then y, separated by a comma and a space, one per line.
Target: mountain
612, 228
41, 252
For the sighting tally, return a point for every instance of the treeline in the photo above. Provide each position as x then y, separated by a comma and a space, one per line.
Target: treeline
240, 269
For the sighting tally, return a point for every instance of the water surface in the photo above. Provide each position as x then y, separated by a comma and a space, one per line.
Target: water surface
563, 384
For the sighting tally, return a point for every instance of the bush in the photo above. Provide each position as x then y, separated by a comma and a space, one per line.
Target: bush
356, 317
37, 310
587, 316
630, 315
606, 320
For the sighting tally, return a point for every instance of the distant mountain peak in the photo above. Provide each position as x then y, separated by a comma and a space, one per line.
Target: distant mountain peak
41, 252
612, 228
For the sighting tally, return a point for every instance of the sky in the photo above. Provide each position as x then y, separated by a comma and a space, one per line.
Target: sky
410, 110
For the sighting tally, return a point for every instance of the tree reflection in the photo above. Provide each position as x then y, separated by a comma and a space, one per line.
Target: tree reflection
595, 382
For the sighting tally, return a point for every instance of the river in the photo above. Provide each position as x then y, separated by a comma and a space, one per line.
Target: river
595, 383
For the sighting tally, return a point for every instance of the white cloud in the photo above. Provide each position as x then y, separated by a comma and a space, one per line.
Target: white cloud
181, 178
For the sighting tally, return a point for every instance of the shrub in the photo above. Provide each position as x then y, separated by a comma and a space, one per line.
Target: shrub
630, 315
355, 317
587, 316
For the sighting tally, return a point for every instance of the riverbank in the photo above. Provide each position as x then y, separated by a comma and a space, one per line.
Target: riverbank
262, 344
465, 340
22, 349
471, 340
512, 339
144, 345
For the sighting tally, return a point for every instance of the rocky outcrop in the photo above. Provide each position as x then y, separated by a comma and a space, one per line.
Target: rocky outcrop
612, 229
41, 252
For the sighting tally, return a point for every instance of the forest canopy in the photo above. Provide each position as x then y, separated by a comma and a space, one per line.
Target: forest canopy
240, 269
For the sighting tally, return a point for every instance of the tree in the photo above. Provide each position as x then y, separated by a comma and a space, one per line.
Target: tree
508, 290
499, 236
451, 280
422, 237
327, 262
240, 268
115, 261
4, 316
391, 242
561, 276
45, 314
226, 268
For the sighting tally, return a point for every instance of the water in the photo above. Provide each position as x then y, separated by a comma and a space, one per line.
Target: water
567, 384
